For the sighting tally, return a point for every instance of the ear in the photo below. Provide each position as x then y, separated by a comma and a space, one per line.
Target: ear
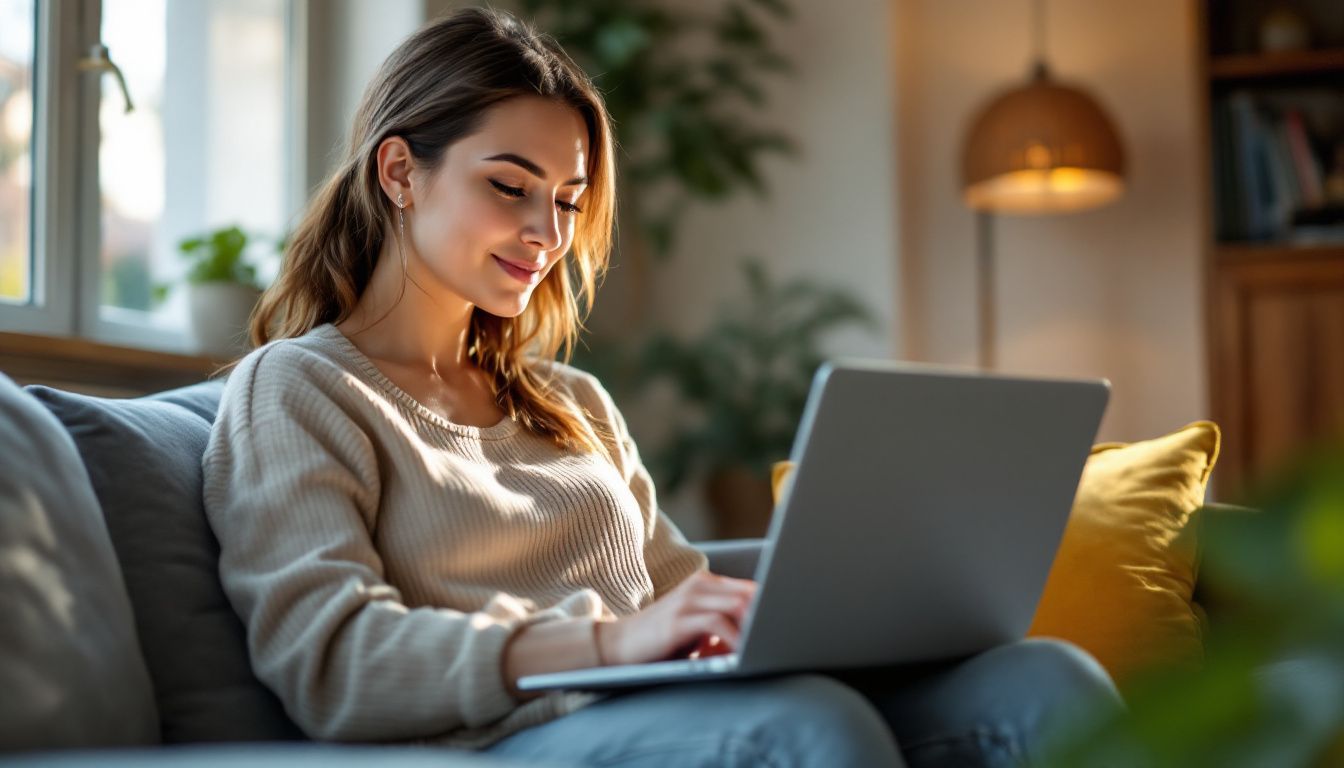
395, 164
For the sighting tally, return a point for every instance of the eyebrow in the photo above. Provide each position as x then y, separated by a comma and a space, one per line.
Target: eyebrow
533, 168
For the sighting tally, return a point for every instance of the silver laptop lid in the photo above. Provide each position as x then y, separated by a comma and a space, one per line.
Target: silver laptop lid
923, 514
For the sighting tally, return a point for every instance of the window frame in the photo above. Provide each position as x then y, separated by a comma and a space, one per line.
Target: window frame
66, 215
51, 308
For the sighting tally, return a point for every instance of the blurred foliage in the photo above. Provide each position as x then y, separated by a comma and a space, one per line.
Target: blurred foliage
681, 87
686, 87
747, 376
217, 256
1271, 689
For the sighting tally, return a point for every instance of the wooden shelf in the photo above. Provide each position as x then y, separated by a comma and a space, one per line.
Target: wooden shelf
1264, 65
1243, 253
90, 367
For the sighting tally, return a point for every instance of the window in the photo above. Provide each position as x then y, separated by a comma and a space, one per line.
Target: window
204, 145
18, 35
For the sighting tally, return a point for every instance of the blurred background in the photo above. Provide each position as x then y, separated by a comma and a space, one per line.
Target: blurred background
801, 180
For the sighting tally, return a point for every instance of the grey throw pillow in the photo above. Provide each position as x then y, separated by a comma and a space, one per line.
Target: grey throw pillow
71, 672
143, 457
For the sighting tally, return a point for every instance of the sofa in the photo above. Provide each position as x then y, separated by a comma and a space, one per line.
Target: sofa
119, 645
125, 650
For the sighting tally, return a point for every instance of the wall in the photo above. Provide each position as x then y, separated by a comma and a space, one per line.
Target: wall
1113, 292
345, 42
830, 215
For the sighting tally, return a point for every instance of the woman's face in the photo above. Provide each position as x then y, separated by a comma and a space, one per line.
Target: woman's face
507, 193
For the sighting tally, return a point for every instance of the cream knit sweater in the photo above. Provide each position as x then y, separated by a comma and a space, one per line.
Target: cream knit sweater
380, 555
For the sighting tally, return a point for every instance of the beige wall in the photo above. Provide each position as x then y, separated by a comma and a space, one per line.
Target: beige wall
344, 43
830, 215
1113, 292
831, 211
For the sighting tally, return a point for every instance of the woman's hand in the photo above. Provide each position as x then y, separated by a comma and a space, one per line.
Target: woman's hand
704, 604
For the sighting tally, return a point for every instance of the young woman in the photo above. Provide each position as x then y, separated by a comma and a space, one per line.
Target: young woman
417, 503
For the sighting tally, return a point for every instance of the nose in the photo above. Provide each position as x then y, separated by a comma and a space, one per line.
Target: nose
543, 227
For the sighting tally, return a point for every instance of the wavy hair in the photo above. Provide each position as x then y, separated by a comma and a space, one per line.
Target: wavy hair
433, 90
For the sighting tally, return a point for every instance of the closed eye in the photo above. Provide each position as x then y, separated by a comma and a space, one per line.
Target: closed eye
505, 189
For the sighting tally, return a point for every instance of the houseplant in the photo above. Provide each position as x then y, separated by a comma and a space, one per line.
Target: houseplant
686, 88
747, 379
1271, 688
222, 289
682, 87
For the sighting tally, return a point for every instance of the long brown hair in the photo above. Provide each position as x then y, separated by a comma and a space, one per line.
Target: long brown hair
433, 90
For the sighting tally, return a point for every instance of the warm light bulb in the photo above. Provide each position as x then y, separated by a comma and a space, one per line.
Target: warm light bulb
1050, 190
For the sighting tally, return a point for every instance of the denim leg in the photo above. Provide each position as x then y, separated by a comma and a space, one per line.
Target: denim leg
992, 709
777, 722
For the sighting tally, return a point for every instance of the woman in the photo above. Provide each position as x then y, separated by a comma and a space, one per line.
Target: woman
417, 504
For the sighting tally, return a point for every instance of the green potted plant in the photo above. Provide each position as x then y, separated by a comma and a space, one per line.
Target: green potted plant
684, 87
222, 289
748, 377
1270, 689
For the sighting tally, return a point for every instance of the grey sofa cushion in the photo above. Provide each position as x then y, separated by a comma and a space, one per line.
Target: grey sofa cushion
309, 755
143, 457
71, 672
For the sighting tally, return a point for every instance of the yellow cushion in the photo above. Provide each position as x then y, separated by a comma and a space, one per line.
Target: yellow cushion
1121, 583
1123, 578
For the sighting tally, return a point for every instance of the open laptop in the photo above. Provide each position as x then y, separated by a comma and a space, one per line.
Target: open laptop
920, 523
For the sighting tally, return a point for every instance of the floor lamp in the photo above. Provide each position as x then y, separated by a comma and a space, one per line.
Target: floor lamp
1039, 148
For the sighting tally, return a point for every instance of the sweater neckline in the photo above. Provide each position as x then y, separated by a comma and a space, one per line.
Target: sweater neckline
499, 430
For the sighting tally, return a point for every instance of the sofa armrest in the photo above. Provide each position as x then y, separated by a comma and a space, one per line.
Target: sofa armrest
732, 557
1211, 516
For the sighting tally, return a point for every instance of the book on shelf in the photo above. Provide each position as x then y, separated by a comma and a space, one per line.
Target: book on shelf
1268, 174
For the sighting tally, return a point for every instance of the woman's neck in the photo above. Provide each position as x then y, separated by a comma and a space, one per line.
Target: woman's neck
411, 322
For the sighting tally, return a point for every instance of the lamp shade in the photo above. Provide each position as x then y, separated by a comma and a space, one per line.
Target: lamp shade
1042, 148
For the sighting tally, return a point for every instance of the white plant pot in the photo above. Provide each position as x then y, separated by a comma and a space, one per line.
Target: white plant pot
219, 314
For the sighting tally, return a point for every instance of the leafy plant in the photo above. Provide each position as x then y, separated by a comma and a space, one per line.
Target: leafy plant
748, 375
218, 256
1271, 689
678, 84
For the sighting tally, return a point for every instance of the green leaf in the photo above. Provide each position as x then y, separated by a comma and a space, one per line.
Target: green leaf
218, 256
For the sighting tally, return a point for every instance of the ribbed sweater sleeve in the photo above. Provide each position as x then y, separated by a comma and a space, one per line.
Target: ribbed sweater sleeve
292, 491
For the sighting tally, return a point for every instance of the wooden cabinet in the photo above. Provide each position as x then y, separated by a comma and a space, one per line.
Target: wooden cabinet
1278, 355
1274, 276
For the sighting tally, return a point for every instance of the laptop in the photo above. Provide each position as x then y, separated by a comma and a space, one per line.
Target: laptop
920, 522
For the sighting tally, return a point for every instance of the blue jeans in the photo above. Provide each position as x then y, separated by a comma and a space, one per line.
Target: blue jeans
992, 709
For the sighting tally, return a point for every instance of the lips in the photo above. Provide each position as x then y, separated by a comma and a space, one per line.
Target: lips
526, 267
527, 273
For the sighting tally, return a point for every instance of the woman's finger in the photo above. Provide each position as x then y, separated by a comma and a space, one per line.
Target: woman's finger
713, 624
724, 585
731, 605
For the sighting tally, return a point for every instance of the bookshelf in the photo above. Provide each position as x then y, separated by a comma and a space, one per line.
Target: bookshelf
1267, 65
1273, 135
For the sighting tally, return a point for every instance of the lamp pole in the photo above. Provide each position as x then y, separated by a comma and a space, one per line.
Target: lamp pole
984, 229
